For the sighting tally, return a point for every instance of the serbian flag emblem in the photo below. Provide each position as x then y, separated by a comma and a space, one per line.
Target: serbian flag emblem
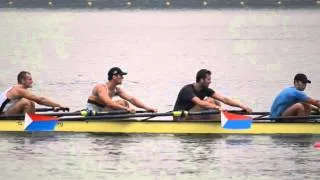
235, 121
35, 122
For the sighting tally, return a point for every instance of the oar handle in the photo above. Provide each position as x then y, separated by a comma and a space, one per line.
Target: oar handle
55, 109
44, 109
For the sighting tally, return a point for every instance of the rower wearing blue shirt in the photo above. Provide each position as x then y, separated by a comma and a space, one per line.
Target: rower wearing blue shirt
292, 101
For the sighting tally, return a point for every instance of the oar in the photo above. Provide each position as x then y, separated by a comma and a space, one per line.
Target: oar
170, 113
92, 113
150, 115
212, 112
51, 109
178, 114
313, 117
122, 112
44, 109
116, 116
263, 113
78, 113
89, 115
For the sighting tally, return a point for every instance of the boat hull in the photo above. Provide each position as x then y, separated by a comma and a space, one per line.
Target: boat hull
194, 127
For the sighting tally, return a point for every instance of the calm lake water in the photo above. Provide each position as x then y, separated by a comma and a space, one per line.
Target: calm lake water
252, 53
86, 156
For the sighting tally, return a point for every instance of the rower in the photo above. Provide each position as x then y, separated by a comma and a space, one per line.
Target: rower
198, 96
17, 99
101, 97
292, 101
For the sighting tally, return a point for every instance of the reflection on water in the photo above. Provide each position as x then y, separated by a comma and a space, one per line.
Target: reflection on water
147, 156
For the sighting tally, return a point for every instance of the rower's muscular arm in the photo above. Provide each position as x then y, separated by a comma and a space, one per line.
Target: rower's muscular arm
102, 93
314, 102
139, 104
231, 102
205, 104
38, 99
135, 101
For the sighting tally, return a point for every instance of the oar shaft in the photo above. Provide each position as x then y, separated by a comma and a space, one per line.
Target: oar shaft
44, 109
289, 118
80, 113
90, 113
212, 112
124, 116
51, 109
176, 114
117, 116
253, 113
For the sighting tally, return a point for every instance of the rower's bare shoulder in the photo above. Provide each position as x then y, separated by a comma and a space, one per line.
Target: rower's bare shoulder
17, 90
100, 87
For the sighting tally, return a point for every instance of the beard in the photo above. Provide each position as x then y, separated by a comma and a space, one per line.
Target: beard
204, 86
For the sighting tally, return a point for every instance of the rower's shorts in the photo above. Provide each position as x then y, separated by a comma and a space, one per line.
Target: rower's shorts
93, 107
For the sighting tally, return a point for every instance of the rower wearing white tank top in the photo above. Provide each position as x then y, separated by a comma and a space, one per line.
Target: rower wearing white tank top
17, 99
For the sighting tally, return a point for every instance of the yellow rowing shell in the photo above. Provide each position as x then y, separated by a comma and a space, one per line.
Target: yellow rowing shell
154, 126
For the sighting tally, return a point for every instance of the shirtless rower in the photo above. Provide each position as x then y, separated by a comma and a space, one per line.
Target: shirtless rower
101, 97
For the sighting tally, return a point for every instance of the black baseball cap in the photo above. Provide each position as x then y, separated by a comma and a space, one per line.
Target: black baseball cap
301, 77
115, 71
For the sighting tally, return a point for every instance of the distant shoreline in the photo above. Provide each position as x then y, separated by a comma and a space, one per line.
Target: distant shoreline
160, 4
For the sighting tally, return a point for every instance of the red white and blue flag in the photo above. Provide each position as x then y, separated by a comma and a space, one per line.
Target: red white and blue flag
235, 121
35, 122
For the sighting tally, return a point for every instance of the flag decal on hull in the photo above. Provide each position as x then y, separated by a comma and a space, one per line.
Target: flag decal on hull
35, 122
235, 121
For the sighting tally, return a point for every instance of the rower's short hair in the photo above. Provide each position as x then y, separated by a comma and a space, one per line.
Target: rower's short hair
201, 74
21, 76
